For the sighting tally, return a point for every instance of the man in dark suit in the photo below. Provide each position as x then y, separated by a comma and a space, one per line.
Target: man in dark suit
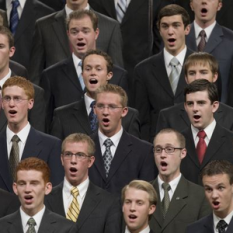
217, 178
51, 44
217, 40
28, 14
120, 157
74, 117
56, 5
180, 201
66, 76
159, 80
20, 140
206, 140
31, 185
199, 65
139, 200
96, 209
10, 68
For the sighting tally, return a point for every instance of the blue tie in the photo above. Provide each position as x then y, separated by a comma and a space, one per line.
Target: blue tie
93, 118
14, 17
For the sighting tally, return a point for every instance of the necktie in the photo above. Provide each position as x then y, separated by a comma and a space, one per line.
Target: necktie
174, 75
166, 199
107, 155
202, 42
73, 210
31, 222
121, 9
80, 77
201, 145
14, 17
221, 226
93, 118
14, 155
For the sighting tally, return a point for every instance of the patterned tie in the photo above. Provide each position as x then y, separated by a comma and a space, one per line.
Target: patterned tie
221, 226
166, 199
73, 210
202, 42
93, 118
121, 9
174, 75
80, 77
31, 222
201, 145
14, 17
14, 155
107, 157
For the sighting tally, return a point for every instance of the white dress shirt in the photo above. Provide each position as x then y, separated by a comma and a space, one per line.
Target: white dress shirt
19, 9
146, 230
227, 219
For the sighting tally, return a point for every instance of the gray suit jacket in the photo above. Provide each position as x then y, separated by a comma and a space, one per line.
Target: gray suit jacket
188, 204
51, 44
50, 223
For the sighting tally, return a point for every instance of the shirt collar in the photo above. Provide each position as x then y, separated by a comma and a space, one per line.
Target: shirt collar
146, 230
173, 184
9, 5
227, 219
68, 10
3, 80
88, 100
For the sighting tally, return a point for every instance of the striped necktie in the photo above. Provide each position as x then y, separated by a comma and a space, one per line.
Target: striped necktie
175, 74
121, 9
73, 210
14, 17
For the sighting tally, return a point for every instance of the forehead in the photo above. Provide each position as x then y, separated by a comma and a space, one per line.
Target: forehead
29, 175
3, 38
85, 21
171, 19
94, 59
198, 95
198, 65
76, 146
216, 179
133, 193
108, 97
166, 139
13, 90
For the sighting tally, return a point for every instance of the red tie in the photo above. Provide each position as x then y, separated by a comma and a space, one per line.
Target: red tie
201, 145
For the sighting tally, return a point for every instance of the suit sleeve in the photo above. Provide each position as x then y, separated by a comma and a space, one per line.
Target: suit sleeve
56, 126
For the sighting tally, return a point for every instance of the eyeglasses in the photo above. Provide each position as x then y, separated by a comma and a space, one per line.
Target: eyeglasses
110, 107
16, 99
168, 149
79, 155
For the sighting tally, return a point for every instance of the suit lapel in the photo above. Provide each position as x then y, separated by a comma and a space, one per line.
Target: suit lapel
47, 223
208, 225
15, 224
230, 227
184, 115
109, 6
59, 28
191, 39
3, 120
219, 113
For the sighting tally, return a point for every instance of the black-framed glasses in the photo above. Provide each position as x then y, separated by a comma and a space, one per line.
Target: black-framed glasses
16, 99
110, 107
79, 155
168, 149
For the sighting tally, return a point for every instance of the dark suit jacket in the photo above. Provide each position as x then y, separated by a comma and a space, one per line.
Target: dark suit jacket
38, 144
9, 203
133, 159
100, 212
205, 225
175, 117
18, 69
220, 147
62, 86
220, 45
50, 222
188, 204
73, 118
36, 115
32, 11
153, 92
51, 44
56, 5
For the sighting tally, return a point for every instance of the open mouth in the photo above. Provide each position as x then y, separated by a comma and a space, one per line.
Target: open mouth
73, 169
28, 199
163, 165
216, 204
81, 44
93, 81
171, 40
132, 216
204, 10
196, 117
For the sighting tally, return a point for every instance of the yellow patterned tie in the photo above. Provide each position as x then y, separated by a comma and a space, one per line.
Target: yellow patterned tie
73, 210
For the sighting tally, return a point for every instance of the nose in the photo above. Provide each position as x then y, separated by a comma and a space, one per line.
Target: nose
170, 30
27, 188
73, 159
106, 110
132, 207
214, 194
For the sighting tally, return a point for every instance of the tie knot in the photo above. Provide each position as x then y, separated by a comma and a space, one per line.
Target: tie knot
92, 104
74, 191
166, 186
15, 138
108, 142
202, 33
174, 61
31, 222
221, 225
201, 134
15, 3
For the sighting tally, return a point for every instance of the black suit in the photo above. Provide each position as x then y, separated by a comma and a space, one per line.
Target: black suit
220, 147
18, 69
56, 5
187, 205
38, 144
32, 11
153, 92
133, 159
100, 212
51, 44
73, 118
9, 203
205, 225
50, 222
175, 117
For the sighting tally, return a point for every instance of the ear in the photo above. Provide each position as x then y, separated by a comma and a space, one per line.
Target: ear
187, 30
183, 153
15, 188
191, 5
109, 76
215, 77
62, 161
124, 112
97, 33
219, 6
215, 106
91, 161
12, 51
48, 188
30, 103
152, 209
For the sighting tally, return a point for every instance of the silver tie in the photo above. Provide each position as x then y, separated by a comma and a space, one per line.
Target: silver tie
174, 75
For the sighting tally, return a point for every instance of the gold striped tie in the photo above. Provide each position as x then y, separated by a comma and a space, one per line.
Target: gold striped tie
73, 210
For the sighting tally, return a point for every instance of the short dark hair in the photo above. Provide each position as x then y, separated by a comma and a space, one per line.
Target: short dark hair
202, 85
5, 31
80, 14
107, 58
173, 9
217, 167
